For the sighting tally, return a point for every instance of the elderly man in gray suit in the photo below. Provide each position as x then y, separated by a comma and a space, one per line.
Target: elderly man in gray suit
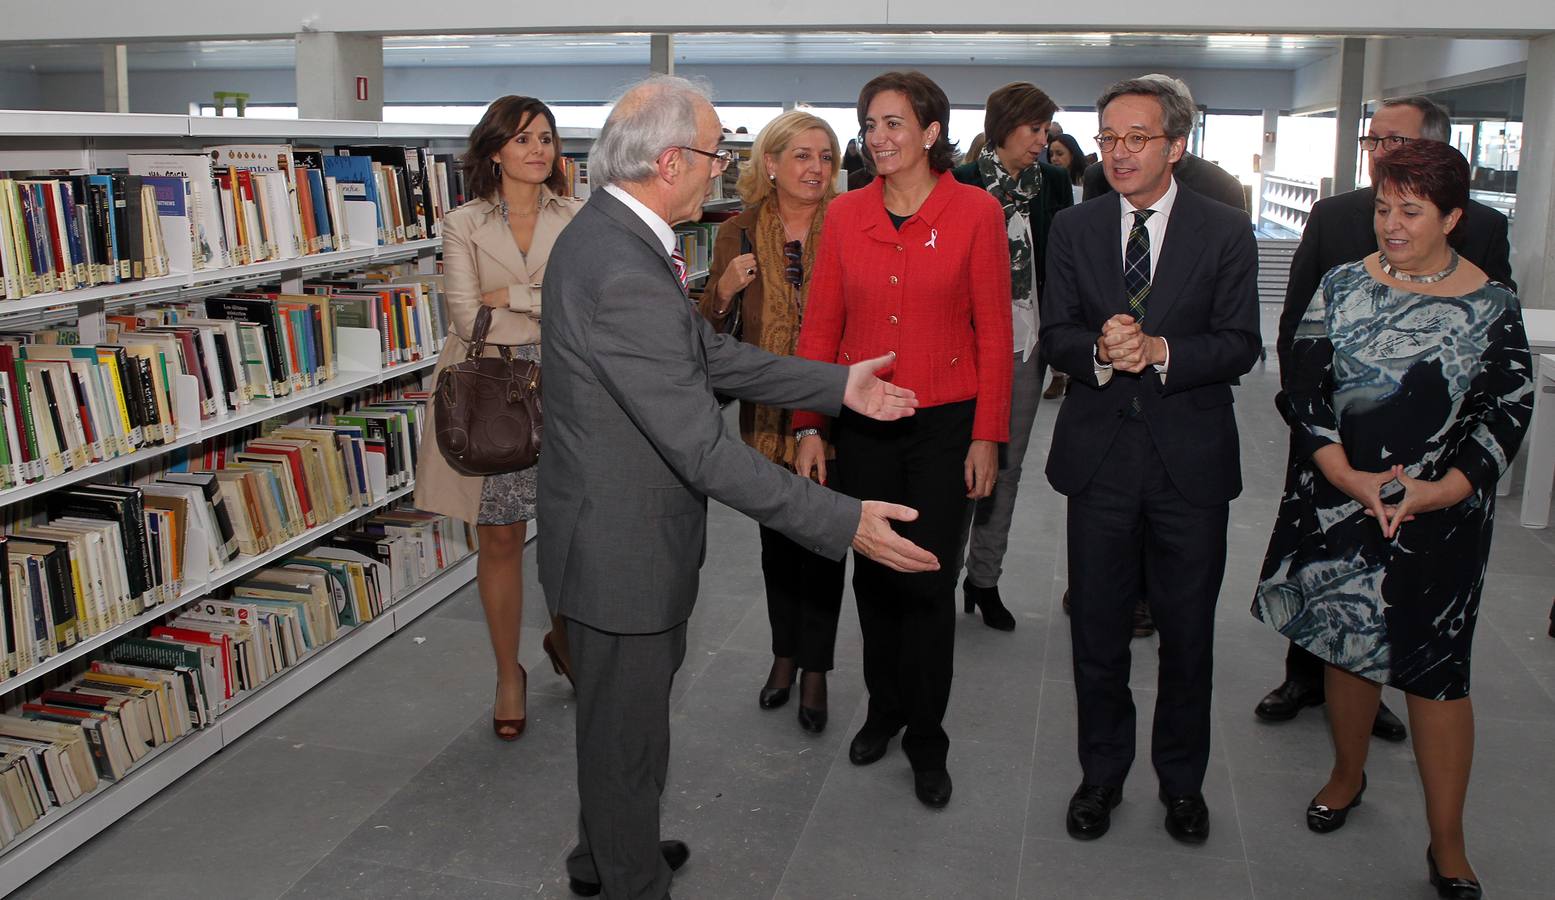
634, 446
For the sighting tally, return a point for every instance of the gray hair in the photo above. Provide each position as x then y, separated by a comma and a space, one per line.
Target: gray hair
1435, 123
1177, 113
650, 117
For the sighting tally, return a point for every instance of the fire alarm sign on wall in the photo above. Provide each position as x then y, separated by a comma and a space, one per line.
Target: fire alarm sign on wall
361, 87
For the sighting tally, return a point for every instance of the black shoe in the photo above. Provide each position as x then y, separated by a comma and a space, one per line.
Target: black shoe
1144, 625
994, 613
1284, 702
774, 697
1187, 818
1090, 811
812, 720
675, 853
1387, 725
1451, 888
932, 788
868, 746
1323, 819
1066, 603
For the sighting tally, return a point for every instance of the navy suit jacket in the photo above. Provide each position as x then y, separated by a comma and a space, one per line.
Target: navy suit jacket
1203, 300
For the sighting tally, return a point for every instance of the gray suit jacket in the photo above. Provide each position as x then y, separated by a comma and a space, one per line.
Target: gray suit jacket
635, 442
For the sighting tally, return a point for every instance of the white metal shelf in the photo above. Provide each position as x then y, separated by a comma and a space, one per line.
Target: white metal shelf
34, 123
344, 383
63, 830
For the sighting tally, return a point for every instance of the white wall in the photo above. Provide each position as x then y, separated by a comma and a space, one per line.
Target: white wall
966, 85
98, 20
1411, 65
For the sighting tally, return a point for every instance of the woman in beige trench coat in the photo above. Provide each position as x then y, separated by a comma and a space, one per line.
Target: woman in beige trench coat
495, 249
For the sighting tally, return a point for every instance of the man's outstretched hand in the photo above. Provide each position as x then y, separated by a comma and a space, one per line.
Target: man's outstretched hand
876, 540
869, 396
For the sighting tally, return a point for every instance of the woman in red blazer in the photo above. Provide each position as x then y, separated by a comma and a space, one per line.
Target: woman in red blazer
917, 264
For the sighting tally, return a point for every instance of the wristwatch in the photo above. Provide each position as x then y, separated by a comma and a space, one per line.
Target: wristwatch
803, 433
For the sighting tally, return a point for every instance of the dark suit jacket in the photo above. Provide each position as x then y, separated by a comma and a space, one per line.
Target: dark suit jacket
1057, 193
1192, 172
1203, 300
634, 441
1340, 230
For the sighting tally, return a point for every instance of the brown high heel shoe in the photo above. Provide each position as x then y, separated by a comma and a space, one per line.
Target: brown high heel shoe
1057, 387
559, 664
512, 729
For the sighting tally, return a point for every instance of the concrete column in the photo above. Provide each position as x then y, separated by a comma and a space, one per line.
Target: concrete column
1533, 232
661, 54
1271, 127
335, 72
1352, 83
116, 78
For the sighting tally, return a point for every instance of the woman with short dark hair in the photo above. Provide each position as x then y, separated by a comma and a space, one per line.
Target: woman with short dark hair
1030, 193
494, 253
1411, 391
927, 277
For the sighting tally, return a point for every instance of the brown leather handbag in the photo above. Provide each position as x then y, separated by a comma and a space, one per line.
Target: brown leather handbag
488, 409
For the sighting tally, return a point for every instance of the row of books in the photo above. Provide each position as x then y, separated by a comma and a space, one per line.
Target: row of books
69, 406
95, 556
180, 676
226, 206
694, 240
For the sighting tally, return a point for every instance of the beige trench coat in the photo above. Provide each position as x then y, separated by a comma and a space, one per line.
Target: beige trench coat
479, 255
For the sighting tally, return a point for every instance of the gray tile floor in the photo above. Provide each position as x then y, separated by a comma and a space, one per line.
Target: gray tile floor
386, 781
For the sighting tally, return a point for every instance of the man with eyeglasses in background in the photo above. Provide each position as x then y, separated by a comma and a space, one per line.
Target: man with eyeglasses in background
1340, 230
1151, 307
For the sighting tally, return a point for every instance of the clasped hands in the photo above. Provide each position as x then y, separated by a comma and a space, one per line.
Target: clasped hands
1124, 345
1420, 495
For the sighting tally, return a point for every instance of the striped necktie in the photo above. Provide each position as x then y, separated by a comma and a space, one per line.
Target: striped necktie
1136, 265
681, 271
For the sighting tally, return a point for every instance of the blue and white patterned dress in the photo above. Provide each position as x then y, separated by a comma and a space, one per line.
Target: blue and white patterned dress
1397, 378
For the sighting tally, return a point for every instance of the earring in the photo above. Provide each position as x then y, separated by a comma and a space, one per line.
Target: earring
772, 178
929, 146
496, 169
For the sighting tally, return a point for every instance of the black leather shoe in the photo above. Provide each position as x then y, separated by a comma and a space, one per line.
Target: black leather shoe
772, 698
1284, 702
812, 720
1066, 603
868, 746
675, 853
1387, 725
1090, 811
932, 788
1144, 624
1187, 818
1451, 888
1323, 819
994, 613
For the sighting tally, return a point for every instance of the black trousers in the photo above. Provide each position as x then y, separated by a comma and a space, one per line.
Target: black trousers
804, 599
1133, 536
909, 620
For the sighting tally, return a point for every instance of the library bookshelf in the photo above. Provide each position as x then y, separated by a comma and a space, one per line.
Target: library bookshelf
72, 142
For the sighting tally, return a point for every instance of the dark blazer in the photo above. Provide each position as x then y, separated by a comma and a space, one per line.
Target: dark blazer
1203, 300
1057, 193
634, 441
1340, 230
1192, 172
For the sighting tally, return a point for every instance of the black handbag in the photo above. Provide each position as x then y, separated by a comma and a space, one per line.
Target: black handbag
734, 323
487, 409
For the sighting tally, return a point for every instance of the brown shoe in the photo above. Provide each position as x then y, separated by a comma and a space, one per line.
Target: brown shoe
1055, 387
1144, 625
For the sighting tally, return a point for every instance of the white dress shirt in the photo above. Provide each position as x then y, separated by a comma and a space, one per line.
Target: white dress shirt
661, 228
1155, 226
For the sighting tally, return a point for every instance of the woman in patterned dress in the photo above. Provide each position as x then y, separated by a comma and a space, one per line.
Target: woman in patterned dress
1411, 390
494, 254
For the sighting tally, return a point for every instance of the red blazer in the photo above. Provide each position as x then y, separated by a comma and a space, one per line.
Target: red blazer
937, 292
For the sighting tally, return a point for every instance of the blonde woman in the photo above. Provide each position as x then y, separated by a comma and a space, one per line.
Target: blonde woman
495, 249
762, 260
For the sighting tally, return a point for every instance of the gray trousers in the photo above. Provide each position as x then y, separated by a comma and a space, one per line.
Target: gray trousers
623, 690
991, 516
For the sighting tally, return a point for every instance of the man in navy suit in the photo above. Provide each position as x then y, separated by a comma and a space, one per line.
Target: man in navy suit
1151, 307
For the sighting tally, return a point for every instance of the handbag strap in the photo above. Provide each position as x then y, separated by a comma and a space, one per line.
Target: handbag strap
478, 334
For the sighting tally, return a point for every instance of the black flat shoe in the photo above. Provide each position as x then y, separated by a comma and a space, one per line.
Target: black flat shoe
1090, 811
675, 853
1187, 818
932, 788
1387, 726
1323, 819
995, 615
1451, 888
812, 720
868, 746
1284, 702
